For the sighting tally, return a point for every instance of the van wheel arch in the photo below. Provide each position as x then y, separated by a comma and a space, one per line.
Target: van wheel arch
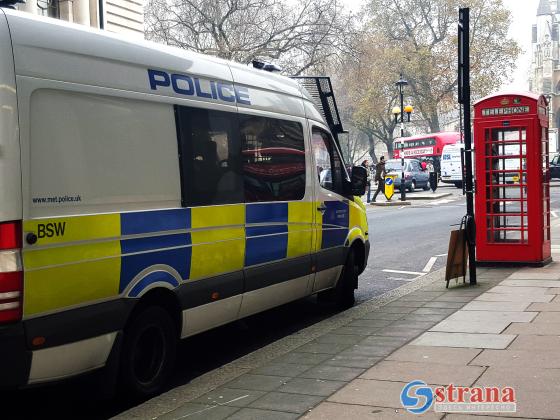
163, 298
359, 250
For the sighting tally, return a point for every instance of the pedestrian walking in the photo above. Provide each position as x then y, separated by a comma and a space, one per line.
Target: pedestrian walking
433, 176
380, 177
365, 164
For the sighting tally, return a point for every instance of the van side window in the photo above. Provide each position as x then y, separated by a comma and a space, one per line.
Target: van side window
273, 155
209, 157
327, 159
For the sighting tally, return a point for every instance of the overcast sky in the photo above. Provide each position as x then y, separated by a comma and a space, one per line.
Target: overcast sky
523, 17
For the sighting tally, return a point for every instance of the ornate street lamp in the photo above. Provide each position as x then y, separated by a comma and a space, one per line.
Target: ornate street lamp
396, 111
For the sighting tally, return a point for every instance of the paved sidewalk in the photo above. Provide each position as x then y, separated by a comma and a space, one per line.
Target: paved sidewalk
503, 332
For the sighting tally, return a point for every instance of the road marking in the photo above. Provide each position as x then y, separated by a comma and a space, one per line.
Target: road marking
441, 255
554, 214
428, 267
401, 278
413, 273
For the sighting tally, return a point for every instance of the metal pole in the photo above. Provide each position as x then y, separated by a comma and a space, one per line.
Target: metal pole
101, 14
403, 184
465, 99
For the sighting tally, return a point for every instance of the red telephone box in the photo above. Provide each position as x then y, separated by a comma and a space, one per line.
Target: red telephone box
512, 209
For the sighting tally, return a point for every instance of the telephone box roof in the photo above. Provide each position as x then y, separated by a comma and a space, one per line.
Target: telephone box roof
531, 95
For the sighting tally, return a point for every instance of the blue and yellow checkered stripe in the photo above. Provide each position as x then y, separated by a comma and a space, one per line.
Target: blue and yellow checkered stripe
102, 256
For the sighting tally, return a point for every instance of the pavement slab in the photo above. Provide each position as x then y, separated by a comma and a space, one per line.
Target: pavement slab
370, 392
339, 338
353, 360
531, 283
319, 387
331, 411
332, 373
468, 326
433, 373
547, 317
427, 318
281, 369
363, 331
469, 340
514, 359
532, 275
522, 378
481, 416
533, 328
536, 342
433, 311
291, 403
326, 348
404, 332
444, 304
200, 412
519, 290
496, 306
256, 414
303, 358
369, 323
229, 396
382, 315
510, 297
481, 316
434, 355
258, 382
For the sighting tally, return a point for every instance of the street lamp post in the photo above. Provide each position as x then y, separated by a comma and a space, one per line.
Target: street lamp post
401, 83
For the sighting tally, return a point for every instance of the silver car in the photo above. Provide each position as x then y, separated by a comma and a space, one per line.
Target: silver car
414, 176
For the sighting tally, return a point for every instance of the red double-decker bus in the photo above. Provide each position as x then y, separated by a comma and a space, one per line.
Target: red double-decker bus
425, 145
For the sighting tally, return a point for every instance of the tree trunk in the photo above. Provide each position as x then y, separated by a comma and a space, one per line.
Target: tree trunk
371, 143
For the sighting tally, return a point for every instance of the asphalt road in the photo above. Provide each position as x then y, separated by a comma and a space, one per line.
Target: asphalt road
403, 239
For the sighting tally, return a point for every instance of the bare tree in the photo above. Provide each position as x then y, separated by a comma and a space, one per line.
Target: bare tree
424, 32
298, 38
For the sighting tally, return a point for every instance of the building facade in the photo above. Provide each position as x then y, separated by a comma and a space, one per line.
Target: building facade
544, 74
120, 16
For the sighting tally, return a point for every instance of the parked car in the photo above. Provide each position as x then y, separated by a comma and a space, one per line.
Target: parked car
555, 167
414, 176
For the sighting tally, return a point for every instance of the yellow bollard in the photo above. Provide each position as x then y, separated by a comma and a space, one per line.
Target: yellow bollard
389, 186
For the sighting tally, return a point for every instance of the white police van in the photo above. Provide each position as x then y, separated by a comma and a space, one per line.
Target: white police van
451, 167
149, 193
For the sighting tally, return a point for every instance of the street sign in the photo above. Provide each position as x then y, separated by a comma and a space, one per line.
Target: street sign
389, 186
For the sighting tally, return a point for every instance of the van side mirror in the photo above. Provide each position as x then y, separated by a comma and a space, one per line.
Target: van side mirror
358, 181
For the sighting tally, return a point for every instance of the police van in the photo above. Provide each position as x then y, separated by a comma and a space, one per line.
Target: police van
148, 194
451, 164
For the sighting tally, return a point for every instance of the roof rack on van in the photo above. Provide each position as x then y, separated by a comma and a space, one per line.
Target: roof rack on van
320, 89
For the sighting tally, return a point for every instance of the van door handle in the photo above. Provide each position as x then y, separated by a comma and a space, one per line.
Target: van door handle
322, 208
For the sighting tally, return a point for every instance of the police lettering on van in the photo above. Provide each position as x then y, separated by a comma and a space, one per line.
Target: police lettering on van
190, 86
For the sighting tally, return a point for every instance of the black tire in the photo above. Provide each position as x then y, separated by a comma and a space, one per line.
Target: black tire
148, 354
426, 187
458, 184
412, 186
342, 296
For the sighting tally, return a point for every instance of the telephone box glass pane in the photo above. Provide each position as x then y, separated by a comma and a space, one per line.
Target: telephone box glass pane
506, 185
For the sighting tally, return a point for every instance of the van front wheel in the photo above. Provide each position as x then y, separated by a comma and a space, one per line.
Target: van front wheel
149, 350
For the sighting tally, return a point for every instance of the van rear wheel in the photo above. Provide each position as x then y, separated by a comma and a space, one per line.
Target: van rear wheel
342, 296
149, 351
